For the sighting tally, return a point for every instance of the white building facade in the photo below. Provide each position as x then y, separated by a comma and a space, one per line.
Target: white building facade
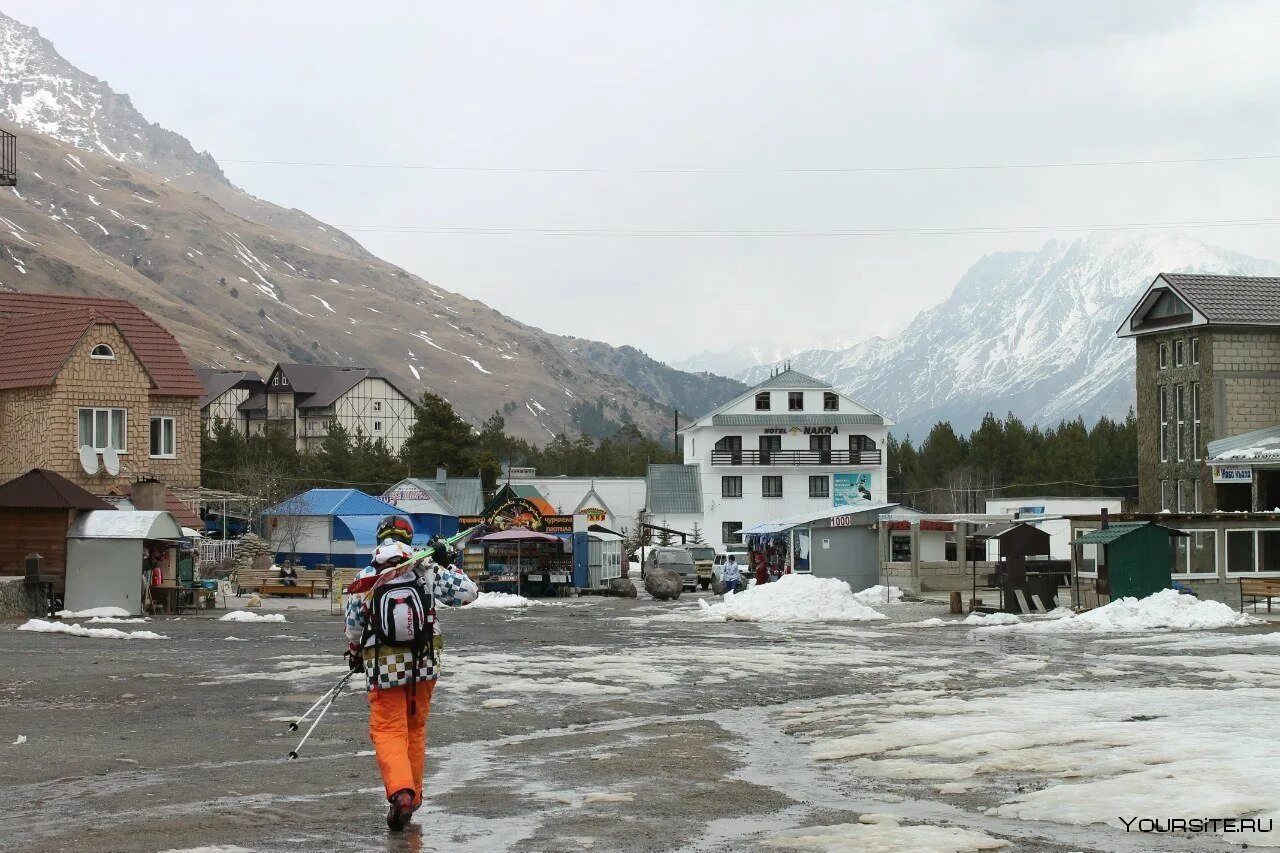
789, 446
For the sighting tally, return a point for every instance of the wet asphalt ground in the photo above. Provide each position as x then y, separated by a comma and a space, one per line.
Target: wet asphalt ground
592, 724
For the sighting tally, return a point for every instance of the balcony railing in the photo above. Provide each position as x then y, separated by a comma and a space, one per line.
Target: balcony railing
795, 457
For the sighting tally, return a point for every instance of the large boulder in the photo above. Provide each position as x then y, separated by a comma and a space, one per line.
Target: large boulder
717, 586
663, 584
622, 588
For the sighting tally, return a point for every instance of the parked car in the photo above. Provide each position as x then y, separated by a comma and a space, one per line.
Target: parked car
704, 557
676, 558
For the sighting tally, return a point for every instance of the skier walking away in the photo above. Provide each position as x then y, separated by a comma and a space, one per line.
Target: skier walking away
732, 575
392, 638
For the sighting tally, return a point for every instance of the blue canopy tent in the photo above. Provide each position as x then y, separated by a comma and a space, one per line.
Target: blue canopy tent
339, 526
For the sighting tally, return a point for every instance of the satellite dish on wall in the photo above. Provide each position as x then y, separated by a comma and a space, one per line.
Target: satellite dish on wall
111, 461
88, 459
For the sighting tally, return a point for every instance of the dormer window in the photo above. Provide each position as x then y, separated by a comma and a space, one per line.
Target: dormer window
762, 401
830, 402
103, 352
795, 401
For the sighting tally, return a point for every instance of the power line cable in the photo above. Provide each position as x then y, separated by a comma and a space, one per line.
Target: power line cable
785, 170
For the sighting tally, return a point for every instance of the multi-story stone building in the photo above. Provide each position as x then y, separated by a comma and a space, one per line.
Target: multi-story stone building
1208, 368
99, 378
791, 445
305, 399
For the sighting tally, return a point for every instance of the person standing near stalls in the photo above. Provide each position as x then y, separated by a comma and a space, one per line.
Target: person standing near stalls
393, 639
732, 575
762, 570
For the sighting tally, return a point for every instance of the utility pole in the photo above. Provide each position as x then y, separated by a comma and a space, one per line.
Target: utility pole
675, 435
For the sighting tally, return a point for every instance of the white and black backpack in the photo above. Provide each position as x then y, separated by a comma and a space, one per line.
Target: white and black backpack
402, 613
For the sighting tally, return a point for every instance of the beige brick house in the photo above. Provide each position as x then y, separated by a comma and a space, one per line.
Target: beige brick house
1208, 368
80, 371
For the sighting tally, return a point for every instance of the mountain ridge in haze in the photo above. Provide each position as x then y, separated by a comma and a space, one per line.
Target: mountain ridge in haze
112, 204
1031, 333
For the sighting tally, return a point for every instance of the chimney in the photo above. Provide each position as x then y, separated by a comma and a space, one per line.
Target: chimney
442, 475
148, 495
1105, 522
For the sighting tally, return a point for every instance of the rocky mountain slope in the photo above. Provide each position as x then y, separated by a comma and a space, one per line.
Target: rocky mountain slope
1027, 332
111, 204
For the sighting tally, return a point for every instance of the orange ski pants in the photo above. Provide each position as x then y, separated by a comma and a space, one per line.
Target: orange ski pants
400, 740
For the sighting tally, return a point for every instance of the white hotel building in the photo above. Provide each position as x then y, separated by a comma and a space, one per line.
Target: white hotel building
790, 446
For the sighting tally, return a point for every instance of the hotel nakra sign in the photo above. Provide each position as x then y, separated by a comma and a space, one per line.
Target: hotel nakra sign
809, 430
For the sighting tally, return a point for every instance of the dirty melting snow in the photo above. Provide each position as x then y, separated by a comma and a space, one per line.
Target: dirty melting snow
40, 626
877, 833
1167, 610
93, 611
249, 616
792, 598
499, 601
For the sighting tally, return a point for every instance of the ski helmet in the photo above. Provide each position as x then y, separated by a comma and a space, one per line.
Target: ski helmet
395, 528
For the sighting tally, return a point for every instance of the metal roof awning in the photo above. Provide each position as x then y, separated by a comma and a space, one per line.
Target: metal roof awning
125, 524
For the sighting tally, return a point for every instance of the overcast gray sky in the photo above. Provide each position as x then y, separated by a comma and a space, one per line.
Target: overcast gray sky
729, 85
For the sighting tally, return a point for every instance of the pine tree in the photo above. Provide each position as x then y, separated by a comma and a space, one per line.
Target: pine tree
664, 535
695, 538
439, 438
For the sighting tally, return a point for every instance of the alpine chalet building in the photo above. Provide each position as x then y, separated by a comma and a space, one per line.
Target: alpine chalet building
789, 446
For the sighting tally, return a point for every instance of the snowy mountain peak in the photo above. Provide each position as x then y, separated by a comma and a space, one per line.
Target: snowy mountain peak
1027, 332
41, 90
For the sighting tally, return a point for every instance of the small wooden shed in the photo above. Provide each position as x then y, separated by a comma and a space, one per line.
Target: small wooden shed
36, 511
1135, 558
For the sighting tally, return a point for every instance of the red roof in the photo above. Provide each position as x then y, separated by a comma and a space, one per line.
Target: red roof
39, 330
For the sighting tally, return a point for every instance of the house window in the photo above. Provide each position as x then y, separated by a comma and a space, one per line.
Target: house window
164, 443
730, 487
795, 401
103, 428
377, 426
1178, 352
1088, 553
1163, 360
762, 401
1180, 406
769, 444
830, 402
1197, 504
819, 487
377, 405
771, 487
731, 444
103, 352
1195, 350
1195, 420
1166, 494
729, 532
1164, 423
1241, 552
1196, 554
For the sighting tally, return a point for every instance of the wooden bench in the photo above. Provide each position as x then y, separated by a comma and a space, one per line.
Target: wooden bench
268, 582
1256, 588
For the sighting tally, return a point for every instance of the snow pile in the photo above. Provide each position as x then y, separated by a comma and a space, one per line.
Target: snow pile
114, 620
792, 598
104, 612
247, 616
879, 594
40, 626
880, 833
989, 619
500, 601
1167, 609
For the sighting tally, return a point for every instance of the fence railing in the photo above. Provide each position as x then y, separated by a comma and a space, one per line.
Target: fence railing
795, 457
214, 551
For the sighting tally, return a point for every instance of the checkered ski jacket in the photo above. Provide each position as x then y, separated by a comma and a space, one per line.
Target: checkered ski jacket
393, 665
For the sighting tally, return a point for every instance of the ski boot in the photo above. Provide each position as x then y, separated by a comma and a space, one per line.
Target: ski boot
400, 810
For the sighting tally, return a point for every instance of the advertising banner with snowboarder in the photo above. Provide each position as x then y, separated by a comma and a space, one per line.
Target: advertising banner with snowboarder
848, 489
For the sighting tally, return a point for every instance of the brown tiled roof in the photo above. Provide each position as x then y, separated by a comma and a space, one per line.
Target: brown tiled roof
185, 516
37, 332
41, 489
1231, 299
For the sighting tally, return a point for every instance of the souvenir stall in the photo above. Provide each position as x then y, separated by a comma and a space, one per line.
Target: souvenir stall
768, 550
525, 562
123, 558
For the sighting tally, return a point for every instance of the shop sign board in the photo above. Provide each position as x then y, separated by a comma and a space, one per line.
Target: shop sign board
842, 521
1232, 474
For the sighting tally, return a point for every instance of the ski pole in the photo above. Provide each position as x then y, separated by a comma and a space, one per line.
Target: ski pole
293, 727
293, 754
